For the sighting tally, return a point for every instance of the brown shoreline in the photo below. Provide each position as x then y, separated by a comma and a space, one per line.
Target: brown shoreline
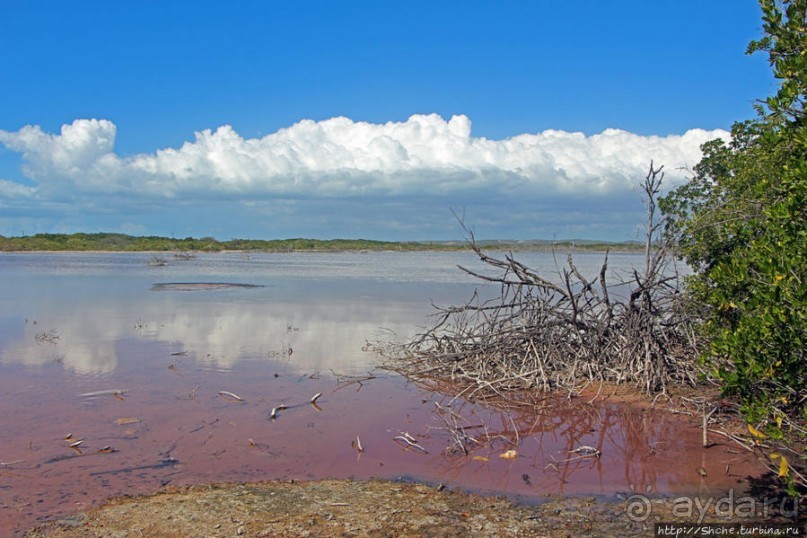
371, 508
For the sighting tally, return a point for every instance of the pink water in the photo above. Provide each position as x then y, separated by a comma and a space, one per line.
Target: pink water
171, 426
66, 335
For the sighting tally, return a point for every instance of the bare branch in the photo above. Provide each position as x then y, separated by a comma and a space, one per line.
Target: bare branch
548, 334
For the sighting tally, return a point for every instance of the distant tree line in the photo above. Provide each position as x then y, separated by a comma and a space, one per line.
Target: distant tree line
128, 243
116, 242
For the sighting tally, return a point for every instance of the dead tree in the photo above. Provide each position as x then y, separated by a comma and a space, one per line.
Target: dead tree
561, 333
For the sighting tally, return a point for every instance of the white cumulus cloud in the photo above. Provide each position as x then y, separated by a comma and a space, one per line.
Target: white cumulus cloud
72, 152
340, 157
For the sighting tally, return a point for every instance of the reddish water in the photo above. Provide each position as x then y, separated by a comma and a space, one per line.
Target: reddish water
84, 323
172, 426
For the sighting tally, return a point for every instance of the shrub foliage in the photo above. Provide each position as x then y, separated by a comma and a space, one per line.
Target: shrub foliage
741, 224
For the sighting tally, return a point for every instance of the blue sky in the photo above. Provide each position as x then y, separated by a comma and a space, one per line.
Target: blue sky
360, 119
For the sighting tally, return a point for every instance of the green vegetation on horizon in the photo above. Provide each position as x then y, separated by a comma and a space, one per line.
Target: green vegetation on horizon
115, 242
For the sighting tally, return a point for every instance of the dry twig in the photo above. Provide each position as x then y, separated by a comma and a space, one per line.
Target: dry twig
548, 334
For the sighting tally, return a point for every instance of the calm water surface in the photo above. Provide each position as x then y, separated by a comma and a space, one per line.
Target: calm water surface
91, 349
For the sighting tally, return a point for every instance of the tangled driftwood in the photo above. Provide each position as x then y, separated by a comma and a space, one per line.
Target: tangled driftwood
546, 334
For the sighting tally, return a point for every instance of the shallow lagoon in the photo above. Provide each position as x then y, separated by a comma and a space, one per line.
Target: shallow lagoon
77, 328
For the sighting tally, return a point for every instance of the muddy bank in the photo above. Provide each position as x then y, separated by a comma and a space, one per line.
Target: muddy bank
361, 508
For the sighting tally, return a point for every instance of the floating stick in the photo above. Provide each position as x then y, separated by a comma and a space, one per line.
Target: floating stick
315, 397
586, 451
118, 393
229, 395
273, 414
410, 443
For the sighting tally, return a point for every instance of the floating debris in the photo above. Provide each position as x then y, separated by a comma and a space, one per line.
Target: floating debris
357, 444
127, 420
76, 444
117, 393
273, 414
343, 380
586, 452
314, 398
409, 441
509, 455
227, 395
583, 452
